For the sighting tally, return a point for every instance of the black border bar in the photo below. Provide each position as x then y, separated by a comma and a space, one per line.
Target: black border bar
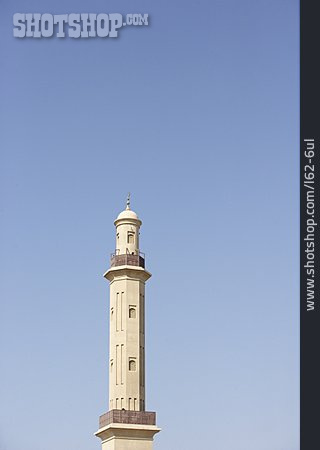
309, 225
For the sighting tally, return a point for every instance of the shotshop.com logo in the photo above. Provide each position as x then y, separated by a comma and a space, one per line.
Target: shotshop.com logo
74, 25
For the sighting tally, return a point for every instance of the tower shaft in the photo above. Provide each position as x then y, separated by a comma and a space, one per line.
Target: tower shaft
127, 341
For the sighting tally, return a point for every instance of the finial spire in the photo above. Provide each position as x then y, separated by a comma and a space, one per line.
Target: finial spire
128, 201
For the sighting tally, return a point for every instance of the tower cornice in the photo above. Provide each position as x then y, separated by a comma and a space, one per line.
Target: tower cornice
129, 432
127, 271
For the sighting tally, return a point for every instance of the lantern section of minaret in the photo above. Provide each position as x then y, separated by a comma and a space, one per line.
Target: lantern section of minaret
127, 395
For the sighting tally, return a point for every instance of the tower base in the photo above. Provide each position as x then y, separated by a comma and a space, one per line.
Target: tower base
117, 432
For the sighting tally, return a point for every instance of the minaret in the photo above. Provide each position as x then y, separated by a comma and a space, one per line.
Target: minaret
127, 425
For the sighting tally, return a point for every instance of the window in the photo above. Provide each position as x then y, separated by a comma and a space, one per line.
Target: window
132, 365
132, 312
130, 237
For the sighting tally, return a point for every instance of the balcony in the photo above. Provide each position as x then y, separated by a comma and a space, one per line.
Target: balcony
127, 259
122, 416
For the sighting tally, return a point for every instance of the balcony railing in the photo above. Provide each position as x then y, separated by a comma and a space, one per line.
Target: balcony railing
127, 259
123, 416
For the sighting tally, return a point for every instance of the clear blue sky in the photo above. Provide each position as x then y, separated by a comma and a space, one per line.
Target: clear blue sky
196, 115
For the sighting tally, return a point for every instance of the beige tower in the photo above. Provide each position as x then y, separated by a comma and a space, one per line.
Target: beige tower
127, 426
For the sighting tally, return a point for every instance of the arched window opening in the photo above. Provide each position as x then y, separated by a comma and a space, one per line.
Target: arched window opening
132, 312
